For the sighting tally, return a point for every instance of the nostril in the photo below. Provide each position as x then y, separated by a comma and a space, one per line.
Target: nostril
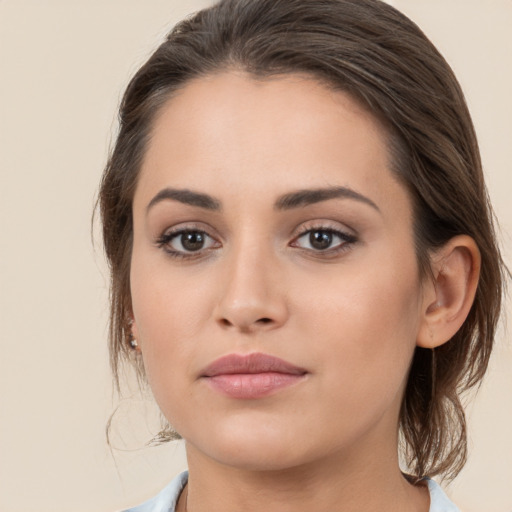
244, 325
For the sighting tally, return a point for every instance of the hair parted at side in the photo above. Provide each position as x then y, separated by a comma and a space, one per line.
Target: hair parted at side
373, 52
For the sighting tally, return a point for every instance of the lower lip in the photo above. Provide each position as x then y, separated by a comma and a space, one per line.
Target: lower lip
252, 385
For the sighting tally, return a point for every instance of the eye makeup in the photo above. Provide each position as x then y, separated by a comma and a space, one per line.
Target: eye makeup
320, 238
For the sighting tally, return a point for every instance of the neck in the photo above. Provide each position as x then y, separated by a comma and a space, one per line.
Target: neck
339, 482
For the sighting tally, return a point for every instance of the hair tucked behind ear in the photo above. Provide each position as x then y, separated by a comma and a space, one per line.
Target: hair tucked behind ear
371, 51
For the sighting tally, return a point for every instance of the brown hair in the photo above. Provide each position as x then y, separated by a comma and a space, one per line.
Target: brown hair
373, 52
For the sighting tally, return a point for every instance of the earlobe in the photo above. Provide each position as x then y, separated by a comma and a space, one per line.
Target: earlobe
134, 334
449, 296
133, 327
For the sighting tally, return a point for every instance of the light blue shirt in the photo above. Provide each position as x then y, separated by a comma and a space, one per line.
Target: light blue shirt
165, 500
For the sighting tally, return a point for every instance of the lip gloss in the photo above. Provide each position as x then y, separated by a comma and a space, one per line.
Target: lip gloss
251, 376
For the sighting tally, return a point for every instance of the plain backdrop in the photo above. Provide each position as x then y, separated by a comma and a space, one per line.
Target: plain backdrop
63, 67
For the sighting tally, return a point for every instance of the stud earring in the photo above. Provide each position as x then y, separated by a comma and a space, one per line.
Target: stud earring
133, 343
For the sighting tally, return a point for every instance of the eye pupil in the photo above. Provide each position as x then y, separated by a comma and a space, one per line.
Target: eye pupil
192, 241
320, 239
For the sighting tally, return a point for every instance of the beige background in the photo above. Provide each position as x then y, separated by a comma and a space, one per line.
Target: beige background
63, 66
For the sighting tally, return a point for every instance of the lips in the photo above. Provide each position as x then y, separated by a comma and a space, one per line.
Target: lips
251, 376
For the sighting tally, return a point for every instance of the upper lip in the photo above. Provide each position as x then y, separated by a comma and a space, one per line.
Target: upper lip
250, 363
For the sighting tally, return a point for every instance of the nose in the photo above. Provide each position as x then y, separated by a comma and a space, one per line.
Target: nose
253, 295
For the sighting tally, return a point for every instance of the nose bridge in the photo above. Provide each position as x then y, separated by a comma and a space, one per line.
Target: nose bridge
252, 293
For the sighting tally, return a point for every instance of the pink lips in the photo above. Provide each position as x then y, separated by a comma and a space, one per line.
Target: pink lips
251, 376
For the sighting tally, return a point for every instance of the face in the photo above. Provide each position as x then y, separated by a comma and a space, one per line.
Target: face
275, 287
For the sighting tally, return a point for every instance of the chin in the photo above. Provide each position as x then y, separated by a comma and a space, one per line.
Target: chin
261, 457
252, 449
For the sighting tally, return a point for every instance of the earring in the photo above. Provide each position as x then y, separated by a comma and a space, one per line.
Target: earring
133, 343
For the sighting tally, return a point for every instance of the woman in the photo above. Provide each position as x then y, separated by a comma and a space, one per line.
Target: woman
303, 259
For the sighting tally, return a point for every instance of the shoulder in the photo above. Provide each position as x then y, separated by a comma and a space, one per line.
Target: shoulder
439, 502
166, 499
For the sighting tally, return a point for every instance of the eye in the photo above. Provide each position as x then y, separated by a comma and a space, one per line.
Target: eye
185, 242
323, 240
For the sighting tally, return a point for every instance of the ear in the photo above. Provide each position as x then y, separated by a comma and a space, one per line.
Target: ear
134, 333
133, 326
449, 295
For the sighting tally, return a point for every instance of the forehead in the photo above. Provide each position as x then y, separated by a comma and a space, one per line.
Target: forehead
265, 136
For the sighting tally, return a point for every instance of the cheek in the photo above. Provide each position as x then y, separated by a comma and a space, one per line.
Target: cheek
368, 294
365, 321
168, 303
169, 312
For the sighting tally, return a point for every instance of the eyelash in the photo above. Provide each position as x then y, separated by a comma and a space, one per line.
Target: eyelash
347, 240
166, 238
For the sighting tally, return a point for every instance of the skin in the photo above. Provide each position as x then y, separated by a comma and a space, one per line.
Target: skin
350, 315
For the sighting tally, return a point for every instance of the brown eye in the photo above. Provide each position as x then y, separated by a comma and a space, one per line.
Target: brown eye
184, 242
320, 240
324, 240
192, 240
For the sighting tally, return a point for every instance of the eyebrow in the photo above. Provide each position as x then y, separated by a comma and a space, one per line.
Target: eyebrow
186, 196
312, 196
286, 202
